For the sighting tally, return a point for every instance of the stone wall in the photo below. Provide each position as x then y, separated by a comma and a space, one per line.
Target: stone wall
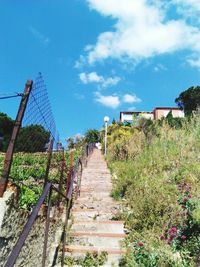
12, 221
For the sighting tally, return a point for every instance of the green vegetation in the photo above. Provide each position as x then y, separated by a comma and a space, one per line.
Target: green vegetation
92, 136
90, 260
189, 100
28, 172
77, 142
6, 126
156, 173
32, 138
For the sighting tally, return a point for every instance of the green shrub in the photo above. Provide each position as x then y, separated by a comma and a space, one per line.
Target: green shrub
156, 171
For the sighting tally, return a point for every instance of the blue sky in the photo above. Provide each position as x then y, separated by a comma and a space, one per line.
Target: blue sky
99, 57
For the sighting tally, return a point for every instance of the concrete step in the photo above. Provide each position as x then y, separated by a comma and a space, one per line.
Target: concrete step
93, 229
80, 249
93, 216
99, 199
114, 255
95, 189
99, 210
95, 184
96, 239
96, 206
95, 194
98, 226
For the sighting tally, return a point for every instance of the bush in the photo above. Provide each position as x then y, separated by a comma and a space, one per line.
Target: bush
157, 173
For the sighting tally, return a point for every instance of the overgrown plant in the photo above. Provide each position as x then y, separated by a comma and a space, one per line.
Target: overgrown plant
157, 174
90, 260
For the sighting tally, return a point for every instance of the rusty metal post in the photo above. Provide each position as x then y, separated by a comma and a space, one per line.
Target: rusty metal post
62, 170
27, 228
79, 175
70, 172
47, 224
11, 146
49, 157
68, 208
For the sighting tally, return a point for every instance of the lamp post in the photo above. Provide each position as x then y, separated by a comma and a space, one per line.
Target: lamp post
106, 120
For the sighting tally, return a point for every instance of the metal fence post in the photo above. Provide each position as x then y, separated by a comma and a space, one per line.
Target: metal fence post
11, 146
68, 207
62, 169
70, 172
47, 224
49, 157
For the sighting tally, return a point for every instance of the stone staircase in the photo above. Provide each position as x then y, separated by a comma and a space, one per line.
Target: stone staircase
93, 228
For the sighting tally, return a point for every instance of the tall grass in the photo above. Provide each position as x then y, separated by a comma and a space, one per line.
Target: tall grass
158, 179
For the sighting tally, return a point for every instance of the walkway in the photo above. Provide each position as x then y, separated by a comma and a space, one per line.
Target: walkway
93, 229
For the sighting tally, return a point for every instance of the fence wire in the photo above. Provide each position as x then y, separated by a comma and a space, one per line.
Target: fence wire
38, 126
30, 164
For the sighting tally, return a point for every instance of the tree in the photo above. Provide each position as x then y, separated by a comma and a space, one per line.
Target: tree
32, 138
75, 142
189, 100
6, 126
70, 143
92, 136
113, 121
174, 122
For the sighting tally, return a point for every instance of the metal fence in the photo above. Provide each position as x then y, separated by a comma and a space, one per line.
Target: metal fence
72, 192
34, 131
37, 165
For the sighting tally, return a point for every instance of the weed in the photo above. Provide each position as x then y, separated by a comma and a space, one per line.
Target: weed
90, 260
156, 169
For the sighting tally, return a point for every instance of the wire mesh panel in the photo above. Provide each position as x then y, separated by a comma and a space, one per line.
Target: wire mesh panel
38, 126
32, 158
39, 171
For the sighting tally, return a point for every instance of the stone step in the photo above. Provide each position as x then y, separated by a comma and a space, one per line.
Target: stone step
95, 194
97, 229
113, 258
96, 206
94, 216
95, 189
95, 234
86, 199
81, 249
98, 226
96, 183
97, 179
100, 210
96, 239
93, 229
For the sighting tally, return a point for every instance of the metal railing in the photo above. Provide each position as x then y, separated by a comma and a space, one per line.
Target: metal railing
72, 192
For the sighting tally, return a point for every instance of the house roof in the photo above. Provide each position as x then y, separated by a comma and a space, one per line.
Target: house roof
148, 112
134, 112
166, 108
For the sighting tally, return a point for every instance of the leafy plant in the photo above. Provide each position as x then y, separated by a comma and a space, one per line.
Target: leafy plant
90, 260
160, 187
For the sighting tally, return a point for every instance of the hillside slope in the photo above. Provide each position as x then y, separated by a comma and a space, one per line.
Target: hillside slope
156, 174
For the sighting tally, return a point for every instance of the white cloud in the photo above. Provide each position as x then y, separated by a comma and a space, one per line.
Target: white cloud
110, 101
114, 101
142, 30
191, 4
93, 77
39, 36
159, 67
189, 9
131, 99
194, 62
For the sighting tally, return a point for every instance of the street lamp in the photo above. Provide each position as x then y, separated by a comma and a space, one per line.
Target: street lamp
106, 120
